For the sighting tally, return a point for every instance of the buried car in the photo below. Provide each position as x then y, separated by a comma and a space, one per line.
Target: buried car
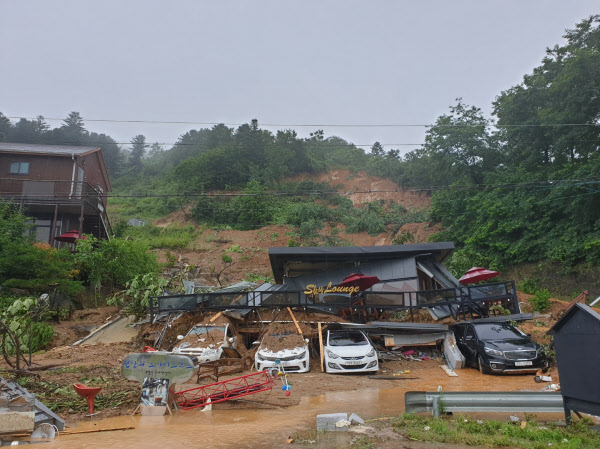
349, 352
205, 342
285, 346
498, 348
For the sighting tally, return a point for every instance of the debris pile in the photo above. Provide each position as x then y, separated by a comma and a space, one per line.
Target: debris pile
281, 336
338, 421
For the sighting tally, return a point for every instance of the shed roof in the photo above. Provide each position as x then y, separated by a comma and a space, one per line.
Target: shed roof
50, 150
315, 255
577, 308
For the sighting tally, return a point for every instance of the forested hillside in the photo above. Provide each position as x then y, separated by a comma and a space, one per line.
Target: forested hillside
522, 186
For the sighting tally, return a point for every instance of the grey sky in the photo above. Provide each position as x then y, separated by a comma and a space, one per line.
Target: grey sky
286, 62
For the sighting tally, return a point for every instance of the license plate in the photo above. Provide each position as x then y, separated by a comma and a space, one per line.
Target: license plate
353, 362
527, 363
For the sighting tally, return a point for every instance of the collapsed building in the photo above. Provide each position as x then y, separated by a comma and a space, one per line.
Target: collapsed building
407, 278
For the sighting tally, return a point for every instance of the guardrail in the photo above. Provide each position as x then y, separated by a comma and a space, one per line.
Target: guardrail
477, 401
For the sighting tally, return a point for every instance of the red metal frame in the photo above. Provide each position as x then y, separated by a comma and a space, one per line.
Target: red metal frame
225, 391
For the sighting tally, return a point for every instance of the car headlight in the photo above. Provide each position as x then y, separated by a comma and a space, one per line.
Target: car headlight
260, 357
371, 353
301, 355
333, 355
491, 351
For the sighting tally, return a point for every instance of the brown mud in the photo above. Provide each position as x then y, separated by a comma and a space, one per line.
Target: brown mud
229, 426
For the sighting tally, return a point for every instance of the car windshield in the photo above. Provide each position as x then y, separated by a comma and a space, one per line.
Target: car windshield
199, 330
347, 339
497, 331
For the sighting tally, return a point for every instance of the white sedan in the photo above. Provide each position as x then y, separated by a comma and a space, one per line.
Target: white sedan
349, 351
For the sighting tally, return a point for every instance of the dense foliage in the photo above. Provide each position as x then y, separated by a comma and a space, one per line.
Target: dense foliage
38, 268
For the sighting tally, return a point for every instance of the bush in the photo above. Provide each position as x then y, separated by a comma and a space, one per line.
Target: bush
528, 286
17, 314
115, 262
541, 301
171, 237
38, 268
139, 290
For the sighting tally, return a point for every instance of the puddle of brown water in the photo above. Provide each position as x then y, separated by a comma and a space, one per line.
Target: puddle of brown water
270, 428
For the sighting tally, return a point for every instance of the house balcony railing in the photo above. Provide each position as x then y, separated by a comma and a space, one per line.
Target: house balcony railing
50, 191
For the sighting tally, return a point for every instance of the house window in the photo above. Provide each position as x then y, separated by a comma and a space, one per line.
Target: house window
19, 168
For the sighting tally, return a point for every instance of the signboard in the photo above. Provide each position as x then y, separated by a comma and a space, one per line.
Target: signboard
157, 372
312, 289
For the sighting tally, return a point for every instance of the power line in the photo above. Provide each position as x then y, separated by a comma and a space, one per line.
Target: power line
551, 184
316, 125
319, 143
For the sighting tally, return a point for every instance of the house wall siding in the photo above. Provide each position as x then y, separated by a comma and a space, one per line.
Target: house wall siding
93, 170
41, 167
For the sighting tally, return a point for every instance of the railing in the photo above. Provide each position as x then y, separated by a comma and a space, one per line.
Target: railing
477, 401
48, 190
459, 298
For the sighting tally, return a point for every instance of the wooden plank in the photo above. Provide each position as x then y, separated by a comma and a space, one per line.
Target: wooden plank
321, 345
295, 322
215, 317
448, 371
392, 378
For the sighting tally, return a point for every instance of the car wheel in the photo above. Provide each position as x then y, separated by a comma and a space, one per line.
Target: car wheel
482, 368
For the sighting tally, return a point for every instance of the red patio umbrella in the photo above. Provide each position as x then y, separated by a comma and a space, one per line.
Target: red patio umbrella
70, 237
359, 280
477, 274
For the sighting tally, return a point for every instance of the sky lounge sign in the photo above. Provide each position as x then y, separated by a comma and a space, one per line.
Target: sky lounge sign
312, 289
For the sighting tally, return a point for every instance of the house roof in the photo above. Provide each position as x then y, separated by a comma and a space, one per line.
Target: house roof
50, 150
570, 313
315, 255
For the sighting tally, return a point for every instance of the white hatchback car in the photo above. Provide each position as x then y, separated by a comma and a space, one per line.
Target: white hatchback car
294, 357
349, 351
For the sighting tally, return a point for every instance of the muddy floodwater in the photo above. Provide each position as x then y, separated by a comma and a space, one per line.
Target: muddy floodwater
248, 428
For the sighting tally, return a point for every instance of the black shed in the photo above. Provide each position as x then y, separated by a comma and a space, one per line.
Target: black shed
577, 343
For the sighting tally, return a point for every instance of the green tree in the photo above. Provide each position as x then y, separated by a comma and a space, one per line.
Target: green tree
72, 131
536, 116
459, 146
138, 149
377, 149
5, 127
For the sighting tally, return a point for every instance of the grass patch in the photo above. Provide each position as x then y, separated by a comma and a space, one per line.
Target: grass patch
496, 433
170, 237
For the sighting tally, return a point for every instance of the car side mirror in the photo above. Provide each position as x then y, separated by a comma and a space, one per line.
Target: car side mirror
180, 337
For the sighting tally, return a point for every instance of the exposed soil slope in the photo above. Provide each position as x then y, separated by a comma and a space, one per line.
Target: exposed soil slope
376, 188
204, 254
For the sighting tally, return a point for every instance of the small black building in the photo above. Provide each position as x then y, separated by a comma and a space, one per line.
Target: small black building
577, 343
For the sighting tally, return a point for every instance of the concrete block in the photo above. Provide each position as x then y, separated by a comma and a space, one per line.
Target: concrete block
16, 421
355, 419
328, 421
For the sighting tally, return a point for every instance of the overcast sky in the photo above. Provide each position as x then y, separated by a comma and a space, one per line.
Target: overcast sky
282, 62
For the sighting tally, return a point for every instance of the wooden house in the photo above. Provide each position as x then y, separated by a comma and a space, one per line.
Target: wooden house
62, 188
